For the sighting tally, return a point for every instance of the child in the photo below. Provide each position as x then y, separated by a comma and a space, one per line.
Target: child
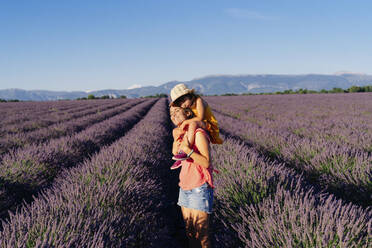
178, 116
183, 97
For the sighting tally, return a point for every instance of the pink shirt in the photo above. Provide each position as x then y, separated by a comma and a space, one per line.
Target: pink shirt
193, 175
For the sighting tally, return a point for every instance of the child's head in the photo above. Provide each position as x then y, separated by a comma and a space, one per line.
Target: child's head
179, 115
182, 96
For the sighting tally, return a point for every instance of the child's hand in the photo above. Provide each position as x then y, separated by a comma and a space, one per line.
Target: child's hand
184, 125
178, 134
178, 143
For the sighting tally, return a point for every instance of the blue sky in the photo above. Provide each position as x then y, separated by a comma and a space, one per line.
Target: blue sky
92, 45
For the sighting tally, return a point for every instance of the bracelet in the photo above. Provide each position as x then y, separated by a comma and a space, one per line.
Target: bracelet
189, 154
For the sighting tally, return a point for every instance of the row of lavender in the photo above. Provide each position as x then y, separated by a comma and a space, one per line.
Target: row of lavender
40, 120
341, 118
14, 112
117, 199
261, 203
27, 171
120, 197
342, 168
21, 111
64, 128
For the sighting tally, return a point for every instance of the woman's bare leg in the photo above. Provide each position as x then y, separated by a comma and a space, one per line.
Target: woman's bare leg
197, 227
201, 223
189, 226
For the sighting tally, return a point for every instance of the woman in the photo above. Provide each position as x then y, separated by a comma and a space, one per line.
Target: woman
196, 182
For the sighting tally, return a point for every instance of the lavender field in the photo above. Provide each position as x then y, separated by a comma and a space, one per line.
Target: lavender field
294, 171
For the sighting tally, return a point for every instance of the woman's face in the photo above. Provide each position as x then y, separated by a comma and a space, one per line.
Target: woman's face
177, 115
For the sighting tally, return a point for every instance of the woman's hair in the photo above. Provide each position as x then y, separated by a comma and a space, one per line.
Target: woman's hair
186, 111
192, 96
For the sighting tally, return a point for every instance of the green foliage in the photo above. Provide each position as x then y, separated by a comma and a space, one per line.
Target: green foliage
337, 90
229, 94
352, 89
91, 97
10, 100
157, 95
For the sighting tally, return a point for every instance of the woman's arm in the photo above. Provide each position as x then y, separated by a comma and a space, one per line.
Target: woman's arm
202, 144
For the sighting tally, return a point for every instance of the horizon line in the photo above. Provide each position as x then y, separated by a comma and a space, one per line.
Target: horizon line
340, 73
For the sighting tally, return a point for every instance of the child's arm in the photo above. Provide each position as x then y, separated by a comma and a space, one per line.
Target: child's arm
200, 108
176, 143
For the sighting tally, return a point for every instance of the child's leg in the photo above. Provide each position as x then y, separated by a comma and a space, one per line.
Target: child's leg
191, 130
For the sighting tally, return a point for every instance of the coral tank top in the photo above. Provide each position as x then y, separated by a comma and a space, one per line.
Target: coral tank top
193, 175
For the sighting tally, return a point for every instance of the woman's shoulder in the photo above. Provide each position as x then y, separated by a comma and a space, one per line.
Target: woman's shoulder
201, 131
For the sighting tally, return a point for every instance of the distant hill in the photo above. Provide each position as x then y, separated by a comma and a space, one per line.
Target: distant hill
211, 85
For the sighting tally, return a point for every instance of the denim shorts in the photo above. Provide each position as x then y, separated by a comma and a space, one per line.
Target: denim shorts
200, 198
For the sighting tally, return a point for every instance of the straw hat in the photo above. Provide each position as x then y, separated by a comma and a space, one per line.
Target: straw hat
178, 91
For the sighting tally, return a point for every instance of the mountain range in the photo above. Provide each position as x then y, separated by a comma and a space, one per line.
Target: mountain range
210, 85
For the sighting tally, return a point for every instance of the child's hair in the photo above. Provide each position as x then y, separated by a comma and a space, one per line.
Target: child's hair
188, 112
192, 96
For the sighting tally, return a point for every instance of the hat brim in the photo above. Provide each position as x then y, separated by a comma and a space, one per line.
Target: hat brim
189, 91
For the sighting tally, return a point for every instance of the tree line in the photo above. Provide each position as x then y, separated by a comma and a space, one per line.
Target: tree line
352, 89
91, 97
9, 100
